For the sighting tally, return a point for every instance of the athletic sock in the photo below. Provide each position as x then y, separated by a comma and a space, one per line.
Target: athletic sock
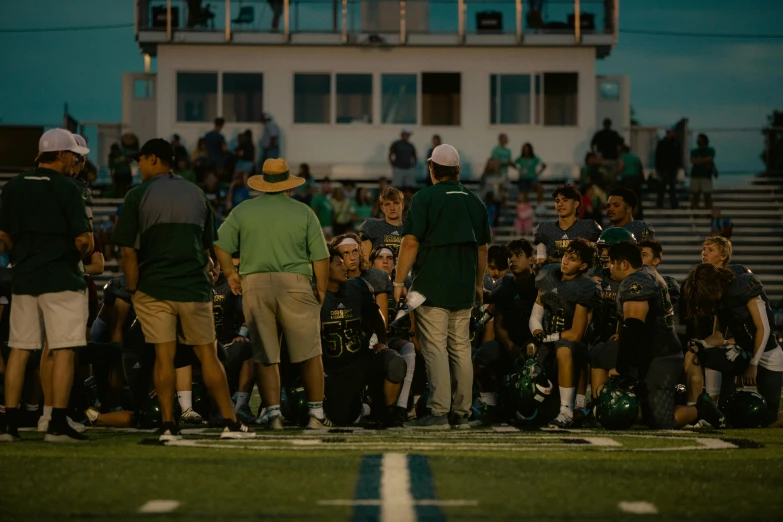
185, 399
489, 398
316, 409
59, 420
30, 407
12, 418
242, 400
580, 400
270, 412
408, 353
567, 399
47, 412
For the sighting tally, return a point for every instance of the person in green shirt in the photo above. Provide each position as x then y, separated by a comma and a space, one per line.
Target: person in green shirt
165, 229
46, 231
703, 160
530, 167
322, 206
362, 207
282, 247
445, 238
502, 155
184, 172
630, 174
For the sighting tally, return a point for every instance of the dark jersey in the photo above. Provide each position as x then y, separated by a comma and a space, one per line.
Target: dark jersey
556, 240
342, 324
514, 301
379, 232
84, 187
378, 281
606, 319
674, 291
226, 311
733, 311
640, 230
559, 298
648, 285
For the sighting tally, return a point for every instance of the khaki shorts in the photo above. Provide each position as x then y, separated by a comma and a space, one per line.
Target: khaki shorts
701, 185
278, 304
159, 320
60, 318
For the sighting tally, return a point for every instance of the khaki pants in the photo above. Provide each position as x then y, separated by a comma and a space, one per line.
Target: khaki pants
445, 346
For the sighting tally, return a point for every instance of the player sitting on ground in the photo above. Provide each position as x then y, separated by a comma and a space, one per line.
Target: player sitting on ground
741, 306
349, 317
648, 348
358, 266
552, 237
567, 296
388, 230
620, 207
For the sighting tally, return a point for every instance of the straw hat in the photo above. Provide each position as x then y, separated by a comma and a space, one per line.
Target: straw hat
275, 177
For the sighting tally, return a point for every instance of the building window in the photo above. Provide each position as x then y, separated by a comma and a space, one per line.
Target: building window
610, 90
510, 99
354, 98
560, 98
398, 99
440, 98
312, 98
243, 97
196, 96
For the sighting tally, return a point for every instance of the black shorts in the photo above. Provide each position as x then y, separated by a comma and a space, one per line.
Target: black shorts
603, 356
658, 392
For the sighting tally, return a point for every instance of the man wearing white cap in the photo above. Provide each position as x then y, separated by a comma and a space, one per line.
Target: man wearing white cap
402, 157
44, 225
445, 238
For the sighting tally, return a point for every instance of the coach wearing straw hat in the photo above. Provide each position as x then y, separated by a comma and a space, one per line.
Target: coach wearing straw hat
281, 246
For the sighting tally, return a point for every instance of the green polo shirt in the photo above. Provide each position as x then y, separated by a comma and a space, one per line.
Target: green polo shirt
528, 168
450, 223
632, 165
503, 155
702, 171
323, 209
43, 212
276, 234
170, 223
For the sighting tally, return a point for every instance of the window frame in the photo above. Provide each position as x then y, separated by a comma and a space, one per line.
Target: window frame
533, 99
537, 97
332, 100
373, 82
218, 94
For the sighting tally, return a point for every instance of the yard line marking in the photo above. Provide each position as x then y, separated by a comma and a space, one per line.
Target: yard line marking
396, 498
159, 506
638, 507
603, 441
716, 444
371, 502
505, 429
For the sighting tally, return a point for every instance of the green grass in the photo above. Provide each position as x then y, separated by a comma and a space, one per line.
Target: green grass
110, 477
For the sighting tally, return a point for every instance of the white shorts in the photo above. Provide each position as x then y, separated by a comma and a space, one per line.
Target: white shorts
59, 318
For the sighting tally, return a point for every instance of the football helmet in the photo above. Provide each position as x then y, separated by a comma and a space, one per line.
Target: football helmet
527, 388
298, 411
745, 409
617, 407
116, 289
609, 237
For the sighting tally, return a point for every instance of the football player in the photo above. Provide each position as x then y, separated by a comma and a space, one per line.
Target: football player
648, 347
513, 299
349, 318
652, 255
387, 231
741, 306
358, 266
552, 237
560, 316
620, 207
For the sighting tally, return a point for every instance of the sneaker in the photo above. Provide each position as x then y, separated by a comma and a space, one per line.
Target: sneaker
67, 434
245, 415
562, 421
168, 432
275, 423
319, 424
237, 430
460, 423
265, 417
7, 435
43, 425
191, 416
709, 412
430, 422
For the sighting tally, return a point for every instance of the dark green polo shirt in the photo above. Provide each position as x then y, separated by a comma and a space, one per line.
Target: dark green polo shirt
170, 223
702, 171
43, 212
450, 223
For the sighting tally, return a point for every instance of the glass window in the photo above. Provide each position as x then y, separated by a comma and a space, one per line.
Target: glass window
560, 98
312, 98
398, 99
243, 96
440, 98
509, 99
196, 96
610, 90
354, 98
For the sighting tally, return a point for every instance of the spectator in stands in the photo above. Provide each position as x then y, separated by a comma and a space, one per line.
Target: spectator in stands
434, 143
703, 160
237, 191
493, 210
605, 143
180, 152
120, 163
530, 167
668, 160
216, 147
342, 209
630, 174
349, 189
322, 206
362, 206
719, 225
502, 154
304, 193
523, 223
491, 180
245, 153
198, 160
277, 11
270, 139
183, 170
592, 172
402, 157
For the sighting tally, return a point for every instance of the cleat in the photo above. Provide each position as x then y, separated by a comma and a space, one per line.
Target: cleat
430, 422
709, 412
237, 430
7, 435
563, 421
190, 416
275, 423
43, 425
168, 432
315, 423
264, 417
395, 417
68, 434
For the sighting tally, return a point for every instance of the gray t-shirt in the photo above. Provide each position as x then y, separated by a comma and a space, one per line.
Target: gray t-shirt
403, 154
379, 232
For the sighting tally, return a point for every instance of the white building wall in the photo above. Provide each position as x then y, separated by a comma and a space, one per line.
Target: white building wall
359, 144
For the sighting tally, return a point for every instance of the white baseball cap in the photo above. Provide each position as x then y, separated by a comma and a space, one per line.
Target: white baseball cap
55, 140
80, 141
445, 155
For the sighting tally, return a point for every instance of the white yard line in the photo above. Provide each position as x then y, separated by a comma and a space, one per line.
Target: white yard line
159, 506
396, 498
638, 507
373, 502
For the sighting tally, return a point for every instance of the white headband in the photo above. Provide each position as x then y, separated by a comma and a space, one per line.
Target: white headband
384, 251
347, 241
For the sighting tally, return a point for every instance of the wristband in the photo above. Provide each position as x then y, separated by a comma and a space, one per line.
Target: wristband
243, 332
398, 285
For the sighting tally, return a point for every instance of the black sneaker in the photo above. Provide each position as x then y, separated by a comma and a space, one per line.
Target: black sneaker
64, 434
8, 435
395, 417
168, 432
709, 412
237, 430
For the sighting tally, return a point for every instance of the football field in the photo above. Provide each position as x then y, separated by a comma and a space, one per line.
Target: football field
498, 473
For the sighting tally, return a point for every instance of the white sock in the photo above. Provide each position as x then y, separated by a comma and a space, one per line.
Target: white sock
408, 353
30, 407
242, 399
690, 404
489, 398
567, 399
580, 400
316, 409
47, 414
185, 399
712, 381
270, 412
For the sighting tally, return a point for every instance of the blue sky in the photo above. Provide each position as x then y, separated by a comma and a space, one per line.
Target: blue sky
715, 82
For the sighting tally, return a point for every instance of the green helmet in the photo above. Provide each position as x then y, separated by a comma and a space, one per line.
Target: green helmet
297, 405
201, 400
745, 409
617, 407
614, 235
528, 388
149, 415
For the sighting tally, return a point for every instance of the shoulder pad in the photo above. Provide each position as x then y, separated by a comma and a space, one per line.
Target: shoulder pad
639, 286
547, 276
378, 280
745, 287
590, 293
737, 269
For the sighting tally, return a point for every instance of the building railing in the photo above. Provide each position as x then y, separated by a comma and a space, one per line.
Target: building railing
378, 17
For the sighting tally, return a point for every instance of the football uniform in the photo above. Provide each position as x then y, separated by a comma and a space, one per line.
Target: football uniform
226, 311
378, 281
674, 291
381, 233
640, 229
603, 351
660, 367
556, 240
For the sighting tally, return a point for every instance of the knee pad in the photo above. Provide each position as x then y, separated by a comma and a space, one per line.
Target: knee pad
396, 368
